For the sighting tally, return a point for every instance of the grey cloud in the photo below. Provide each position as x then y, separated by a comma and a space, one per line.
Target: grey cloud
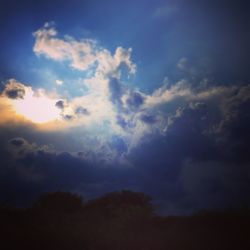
14, 90
116, 92
121, 121
68, 117
149, 119
60, 104
81, 111
18, 142
135, 100
215, 184
15, 93
232, 131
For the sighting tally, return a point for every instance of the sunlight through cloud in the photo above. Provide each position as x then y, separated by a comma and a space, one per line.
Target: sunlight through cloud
38, 109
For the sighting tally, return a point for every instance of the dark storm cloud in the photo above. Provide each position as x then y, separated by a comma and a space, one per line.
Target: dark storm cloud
233, 134
25, 176
215, 184
184, 138
194, 163
217, 176
38, 169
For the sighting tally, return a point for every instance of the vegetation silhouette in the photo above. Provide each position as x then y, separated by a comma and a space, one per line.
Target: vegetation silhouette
123, 220
59, 202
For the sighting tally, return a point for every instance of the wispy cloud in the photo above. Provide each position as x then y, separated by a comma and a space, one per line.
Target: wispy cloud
165, 11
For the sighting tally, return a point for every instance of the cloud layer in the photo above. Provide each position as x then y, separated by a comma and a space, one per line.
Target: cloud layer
184, 143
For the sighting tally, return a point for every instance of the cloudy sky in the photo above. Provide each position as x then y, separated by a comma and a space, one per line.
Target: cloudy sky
151, 96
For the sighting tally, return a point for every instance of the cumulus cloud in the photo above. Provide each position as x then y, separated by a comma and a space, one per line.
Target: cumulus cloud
105, 89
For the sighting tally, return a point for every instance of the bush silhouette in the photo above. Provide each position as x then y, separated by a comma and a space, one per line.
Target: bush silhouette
124, 203
59, 202
118, 221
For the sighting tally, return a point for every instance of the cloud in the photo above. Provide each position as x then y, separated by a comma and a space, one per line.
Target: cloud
60, 104
150, 119
182, 64
232, 131
122, 57
105, 89
14, 90
22, 103
178, 174
82, 54
59, 82
174, 143
166, 94
215, 184
81, 111
135, 99
30, 169
18, 142
116, 92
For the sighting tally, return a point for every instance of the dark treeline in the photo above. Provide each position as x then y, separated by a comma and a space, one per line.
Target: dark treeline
122, 220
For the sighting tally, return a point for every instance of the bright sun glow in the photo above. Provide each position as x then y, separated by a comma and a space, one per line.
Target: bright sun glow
38, 109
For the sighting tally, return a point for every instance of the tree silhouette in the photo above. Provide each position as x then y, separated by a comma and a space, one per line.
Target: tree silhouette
59, 202
119, 220
125, 203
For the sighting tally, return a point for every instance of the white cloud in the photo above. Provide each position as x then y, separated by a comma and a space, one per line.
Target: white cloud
81, 54
182, 64
59, 82
166, 94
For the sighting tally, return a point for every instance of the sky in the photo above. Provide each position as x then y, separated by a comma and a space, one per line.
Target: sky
150, 96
